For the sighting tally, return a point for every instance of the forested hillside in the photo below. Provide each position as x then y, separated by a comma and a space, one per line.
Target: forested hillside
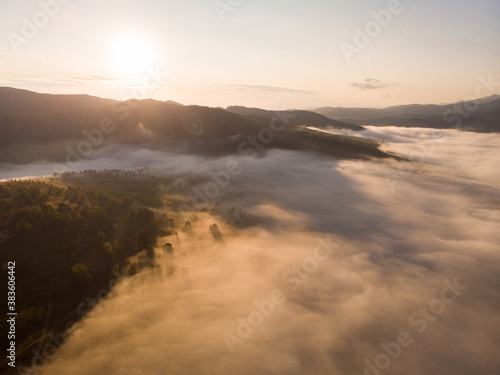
70, 237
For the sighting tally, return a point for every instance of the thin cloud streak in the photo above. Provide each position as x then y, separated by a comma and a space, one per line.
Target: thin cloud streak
371, 84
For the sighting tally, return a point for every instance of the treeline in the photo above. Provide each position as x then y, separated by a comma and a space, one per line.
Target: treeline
137, 184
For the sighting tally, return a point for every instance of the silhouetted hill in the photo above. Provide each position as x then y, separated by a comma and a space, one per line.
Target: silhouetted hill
24, 102
163, 126
481, 117
296, 117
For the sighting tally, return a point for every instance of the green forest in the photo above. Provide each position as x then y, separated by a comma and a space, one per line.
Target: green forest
70, 236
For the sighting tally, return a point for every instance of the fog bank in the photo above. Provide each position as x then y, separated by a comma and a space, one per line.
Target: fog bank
346, 258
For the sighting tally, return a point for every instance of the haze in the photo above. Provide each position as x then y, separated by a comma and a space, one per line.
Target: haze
250, 187
275, 55
397, 237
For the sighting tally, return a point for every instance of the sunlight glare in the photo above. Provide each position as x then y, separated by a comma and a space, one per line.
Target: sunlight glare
131, 55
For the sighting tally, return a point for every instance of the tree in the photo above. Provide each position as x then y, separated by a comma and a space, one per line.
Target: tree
81, 272
150, 252
142, 240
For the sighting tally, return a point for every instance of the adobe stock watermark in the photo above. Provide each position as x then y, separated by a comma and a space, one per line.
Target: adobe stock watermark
454, 115
293, 279
31, 26
249, 148
223, 6
420, 320
95, 137
372, 29
463, 110
151, 80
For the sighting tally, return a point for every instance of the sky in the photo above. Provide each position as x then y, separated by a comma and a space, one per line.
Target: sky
276, 54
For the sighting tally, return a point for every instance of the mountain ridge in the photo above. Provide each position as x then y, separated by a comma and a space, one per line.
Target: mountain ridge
482, 115
163, 126
296, 117
19, 101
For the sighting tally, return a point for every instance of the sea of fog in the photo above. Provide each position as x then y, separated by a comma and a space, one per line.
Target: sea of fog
356, 267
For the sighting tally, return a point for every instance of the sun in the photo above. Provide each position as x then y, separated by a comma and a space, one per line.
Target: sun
131, 55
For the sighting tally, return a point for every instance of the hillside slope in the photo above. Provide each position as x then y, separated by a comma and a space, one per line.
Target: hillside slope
24, 102
483, 116
164, 126
295, 117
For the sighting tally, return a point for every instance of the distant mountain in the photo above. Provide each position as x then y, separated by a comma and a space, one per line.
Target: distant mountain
296, 117
69, 135
24, 102
463, 115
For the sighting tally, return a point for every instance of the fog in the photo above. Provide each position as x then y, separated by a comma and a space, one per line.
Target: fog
111, 157
345, 258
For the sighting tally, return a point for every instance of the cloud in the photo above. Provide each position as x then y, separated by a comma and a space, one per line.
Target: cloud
396, 249
180, 85
271, 89
100, 78
371, 84
79, 80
